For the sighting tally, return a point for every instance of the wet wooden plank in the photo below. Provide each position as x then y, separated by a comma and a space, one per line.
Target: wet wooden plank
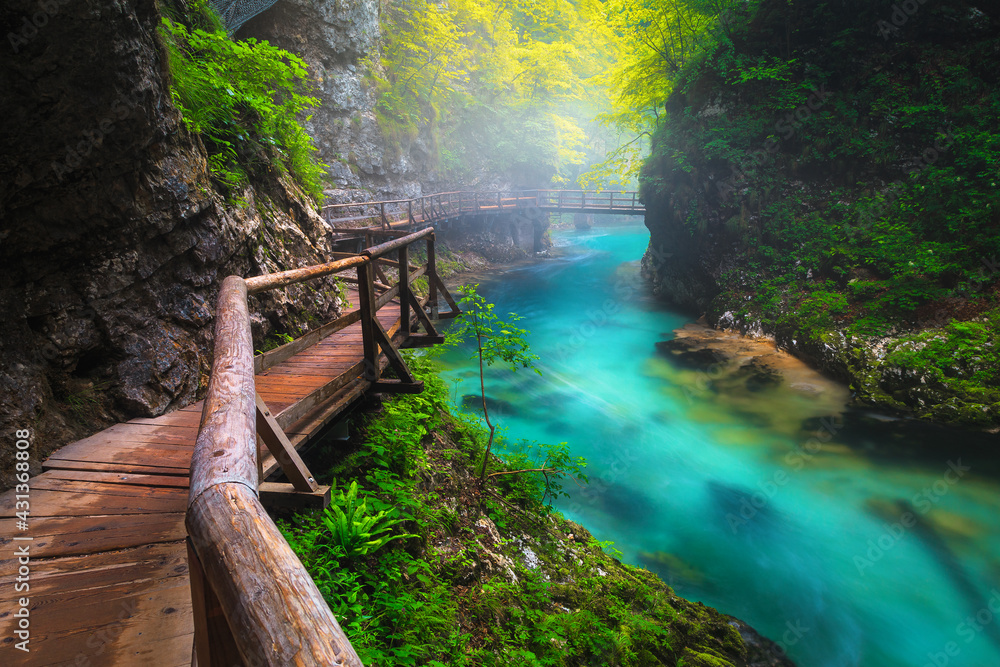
106, 466
49, 482
67, 545
129, 432
131, 479
136, 453
46, 503
146, 621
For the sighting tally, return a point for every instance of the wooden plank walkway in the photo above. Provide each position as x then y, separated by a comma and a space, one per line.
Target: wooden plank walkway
109, 571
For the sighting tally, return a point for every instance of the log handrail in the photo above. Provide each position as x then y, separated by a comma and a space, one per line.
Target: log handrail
254, 603
284, 278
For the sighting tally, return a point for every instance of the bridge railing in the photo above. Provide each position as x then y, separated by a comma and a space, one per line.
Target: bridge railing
254, 603
604, 200
428, 209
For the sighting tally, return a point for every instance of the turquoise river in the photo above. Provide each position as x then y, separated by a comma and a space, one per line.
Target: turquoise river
780, 506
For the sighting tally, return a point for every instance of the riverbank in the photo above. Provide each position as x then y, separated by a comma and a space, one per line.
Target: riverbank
842, 203
755, 503
476, 577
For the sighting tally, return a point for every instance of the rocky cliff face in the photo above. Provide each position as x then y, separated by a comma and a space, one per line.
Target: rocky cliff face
340, 42
499, 239
833, 188
112, 238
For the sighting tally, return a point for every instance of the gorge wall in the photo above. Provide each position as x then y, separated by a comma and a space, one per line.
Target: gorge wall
827, 176
113, 238
113, 235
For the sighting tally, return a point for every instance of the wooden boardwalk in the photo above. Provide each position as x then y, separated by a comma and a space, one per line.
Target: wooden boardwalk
109, 578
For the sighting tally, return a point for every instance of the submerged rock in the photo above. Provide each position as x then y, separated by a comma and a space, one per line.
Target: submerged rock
689, 353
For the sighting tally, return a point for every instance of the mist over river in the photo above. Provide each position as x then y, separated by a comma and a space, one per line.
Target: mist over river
849, 537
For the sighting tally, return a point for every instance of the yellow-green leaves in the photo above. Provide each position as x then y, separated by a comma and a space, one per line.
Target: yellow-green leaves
496, 84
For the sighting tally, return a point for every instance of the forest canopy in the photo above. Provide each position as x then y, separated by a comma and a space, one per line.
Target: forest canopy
563, 92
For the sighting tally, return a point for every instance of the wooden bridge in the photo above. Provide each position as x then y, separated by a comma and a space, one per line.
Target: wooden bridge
448, 206
147, 543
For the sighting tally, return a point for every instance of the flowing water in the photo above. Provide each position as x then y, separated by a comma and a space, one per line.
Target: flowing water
850, 538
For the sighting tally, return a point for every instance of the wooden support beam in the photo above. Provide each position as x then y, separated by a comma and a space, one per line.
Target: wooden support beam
279, 446
432, 271
397, 387
422, 317
395, 359
275, 494
455, 310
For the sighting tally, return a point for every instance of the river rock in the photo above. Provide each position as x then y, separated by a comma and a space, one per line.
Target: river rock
689, 353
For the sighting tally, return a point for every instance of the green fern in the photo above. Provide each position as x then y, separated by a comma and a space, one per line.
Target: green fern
350, 526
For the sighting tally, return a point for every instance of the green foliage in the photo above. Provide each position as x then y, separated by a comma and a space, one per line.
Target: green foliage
243, 98
496, 340
350, 526
963, 357
839, 167
437, 601
506, 87
273, 341
655, 43
816, 313
543, 468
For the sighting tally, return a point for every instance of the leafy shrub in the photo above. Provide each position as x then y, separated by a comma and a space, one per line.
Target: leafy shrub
243, 98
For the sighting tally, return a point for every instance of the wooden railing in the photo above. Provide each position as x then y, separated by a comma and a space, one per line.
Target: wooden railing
254, 603
429, 209
583, 200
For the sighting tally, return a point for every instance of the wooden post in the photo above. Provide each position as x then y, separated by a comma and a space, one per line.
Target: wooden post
385, 220
404, 291
499, 204
275, 612
431, 272
633, 199
476, 198
409, 213
583, 199
560, 199
366, 303
214, 643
